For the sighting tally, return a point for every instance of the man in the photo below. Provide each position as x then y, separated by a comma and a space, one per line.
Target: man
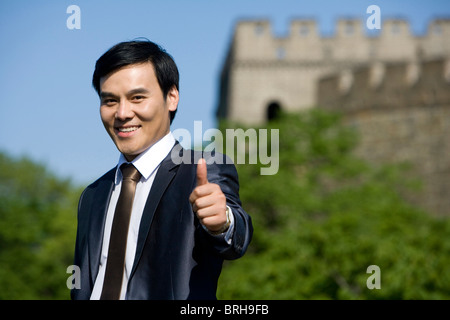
158, 228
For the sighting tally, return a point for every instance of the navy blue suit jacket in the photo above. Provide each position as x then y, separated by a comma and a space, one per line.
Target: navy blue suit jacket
175, 257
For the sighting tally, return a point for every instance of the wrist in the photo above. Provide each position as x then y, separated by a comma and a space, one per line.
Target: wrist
225, 226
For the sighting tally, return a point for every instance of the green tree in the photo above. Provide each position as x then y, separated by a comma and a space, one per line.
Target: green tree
37, 230
326, 216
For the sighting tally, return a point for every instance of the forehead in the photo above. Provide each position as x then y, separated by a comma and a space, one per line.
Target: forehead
142, 75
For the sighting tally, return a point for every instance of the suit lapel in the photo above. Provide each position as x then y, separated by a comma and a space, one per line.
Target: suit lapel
164, 176
97, 223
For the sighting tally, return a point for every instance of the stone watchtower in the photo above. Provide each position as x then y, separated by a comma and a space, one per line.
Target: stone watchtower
263, 73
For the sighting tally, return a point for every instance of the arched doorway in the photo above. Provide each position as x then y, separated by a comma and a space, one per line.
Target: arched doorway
273, 110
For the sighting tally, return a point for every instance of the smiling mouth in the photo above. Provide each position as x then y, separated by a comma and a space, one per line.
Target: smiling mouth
125, 132
127, 129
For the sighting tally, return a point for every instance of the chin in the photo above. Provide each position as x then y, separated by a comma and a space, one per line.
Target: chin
129, 153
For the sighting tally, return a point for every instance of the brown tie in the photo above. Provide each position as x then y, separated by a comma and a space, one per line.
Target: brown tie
119, 232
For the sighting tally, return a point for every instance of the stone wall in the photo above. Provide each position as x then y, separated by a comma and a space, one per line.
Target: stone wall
393, 87
261, 68
402, 113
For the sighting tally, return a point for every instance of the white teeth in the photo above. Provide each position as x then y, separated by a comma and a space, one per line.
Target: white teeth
128, 129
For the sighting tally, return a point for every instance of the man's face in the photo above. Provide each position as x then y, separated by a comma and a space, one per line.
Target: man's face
133, 109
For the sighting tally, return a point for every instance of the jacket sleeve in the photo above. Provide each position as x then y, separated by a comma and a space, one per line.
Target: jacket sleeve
225, 175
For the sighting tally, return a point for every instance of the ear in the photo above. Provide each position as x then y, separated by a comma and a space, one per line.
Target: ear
172, 99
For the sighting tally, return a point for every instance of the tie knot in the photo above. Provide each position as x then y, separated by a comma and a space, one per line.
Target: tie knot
129, 172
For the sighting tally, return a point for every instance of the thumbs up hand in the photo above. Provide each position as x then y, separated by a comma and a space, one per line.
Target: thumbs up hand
208, 201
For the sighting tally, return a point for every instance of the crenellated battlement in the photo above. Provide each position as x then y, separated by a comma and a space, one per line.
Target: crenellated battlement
387, 85
262, 69
401, 111
255, 41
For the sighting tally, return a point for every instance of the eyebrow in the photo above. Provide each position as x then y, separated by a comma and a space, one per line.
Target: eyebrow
137, 90
106, 94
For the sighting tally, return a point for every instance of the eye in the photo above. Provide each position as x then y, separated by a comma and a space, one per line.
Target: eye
109, 101
138, 98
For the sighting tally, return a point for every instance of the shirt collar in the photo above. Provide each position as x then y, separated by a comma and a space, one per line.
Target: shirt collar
147, 162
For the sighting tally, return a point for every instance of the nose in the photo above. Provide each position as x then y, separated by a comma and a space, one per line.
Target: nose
124, 111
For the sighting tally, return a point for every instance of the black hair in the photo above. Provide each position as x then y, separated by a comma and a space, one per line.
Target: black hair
135, 52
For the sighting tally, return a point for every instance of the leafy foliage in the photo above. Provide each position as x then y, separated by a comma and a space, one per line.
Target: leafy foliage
37, 230
326, 216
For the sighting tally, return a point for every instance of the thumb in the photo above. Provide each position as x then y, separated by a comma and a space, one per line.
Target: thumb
202, 177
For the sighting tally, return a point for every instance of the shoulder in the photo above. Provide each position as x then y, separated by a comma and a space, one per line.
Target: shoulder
180, 155
107, 177
221, 170
220, 166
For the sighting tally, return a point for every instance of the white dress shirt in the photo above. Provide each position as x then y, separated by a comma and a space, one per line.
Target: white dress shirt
147, 163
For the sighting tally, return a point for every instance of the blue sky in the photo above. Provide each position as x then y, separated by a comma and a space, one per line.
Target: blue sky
49, 110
